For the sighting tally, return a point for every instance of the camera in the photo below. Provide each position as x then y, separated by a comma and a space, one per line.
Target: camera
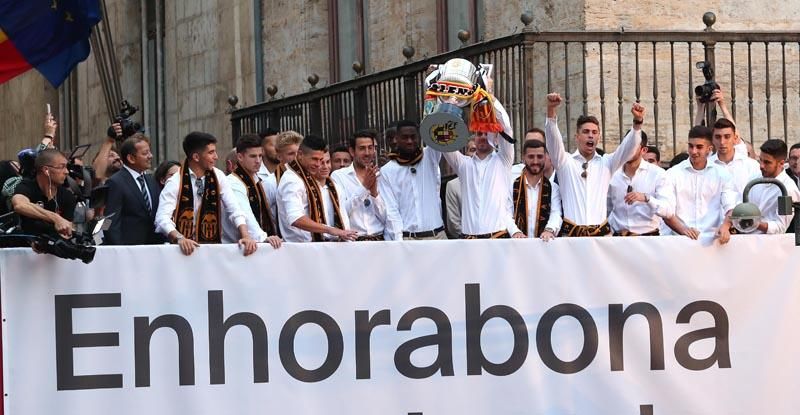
78, 247
704, 91
129, 126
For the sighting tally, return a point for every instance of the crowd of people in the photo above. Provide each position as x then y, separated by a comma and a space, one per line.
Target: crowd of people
279, 186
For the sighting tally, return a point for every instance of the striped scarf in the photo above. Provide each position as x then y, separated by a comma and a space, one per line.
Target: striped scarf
521, 204
316, 206
203, 227
258, 200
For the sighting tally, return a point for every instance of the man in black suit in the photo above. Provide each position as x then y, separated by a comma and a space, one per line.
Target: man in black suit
133, 197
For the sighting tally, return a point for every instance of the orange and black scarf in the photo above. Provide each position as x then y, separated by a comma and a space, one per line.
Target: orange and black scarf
316, 206
279, 172
521, 204
258, 200
411, 161
205, 226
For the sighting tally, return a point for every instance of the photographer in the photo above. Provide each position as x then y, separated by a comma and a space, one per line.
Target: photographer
107, 161
43, 204
717, 98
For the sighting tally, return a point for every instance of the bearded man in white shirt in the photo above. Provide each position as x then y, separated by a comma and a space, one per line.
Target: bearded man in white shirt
410, 183
358, 189
537, 200
584, 176
639, 195
702, 192
765, 196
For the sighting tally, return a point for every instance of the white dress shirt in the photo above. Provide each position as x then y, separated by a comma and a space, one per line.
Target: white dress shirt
701, 197
584, 199
270, 185
293, 204
532, 194
639, 217
486, 205
765, 196
169, 201
411, 194
742, 169
367, 213
230, 233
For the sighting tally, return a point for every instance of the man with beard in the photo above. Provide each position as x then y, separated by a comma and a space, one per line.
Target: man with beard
741, 167
193, 201
701, 192
537, 201
584, 175
549, 172
765, 196
250, 195
358, 187
638, 197
410, 187
793, 171
486, 211
309, 206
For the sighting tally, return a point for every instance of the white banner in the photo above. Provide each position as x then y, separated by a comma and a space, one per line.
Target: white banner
577, 326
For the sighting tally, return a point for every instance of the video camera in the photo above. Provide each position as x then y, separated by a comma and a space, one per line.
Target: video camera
129, 126
704, 91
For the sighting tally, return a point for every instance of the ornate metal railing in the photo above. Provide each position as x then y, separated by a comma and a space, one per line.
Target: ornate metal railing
600, 73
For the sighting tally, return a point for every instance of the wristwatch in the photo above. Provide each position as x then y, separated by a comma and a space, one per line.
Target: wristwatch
551, 230
178, 238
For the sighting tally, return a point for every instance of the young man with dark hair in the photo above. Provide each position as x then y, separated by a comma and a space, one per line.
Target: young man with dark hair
765, 196
584, 175
133, 197
340, 157
307, 211
358, 187
537, 200
249, 194
42, 203
701, 192
549, 172
193, 201
652, 155
411, 181
639, 196
741, 167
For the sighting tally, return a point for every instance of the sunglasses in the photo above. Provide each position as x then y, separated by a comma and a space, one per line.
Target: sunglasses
585, 166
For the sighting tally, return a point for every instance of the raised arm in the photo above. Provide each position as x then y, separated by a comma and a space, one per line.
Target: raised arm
630, 144
554, 142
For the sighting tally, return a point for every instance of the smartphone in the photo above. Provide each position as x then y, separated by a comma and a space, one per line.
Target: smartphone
48, 109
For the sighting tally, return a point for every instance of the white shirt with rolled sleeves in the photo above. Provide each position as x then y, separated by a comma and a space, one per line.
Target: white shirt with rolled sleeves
584, 200
765, 196
701, 197
230, 233
293, 204
554, 221
742, 169
486, 205
168, 201
412, 197
367, 214
640, 217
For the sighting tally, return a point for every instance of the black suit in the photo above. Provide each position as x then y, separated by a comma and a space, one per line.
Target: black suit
790, 229
131, 224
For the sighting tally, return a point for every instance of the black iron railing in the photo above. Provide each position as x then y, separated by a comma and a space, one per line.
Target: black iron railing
599, 73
